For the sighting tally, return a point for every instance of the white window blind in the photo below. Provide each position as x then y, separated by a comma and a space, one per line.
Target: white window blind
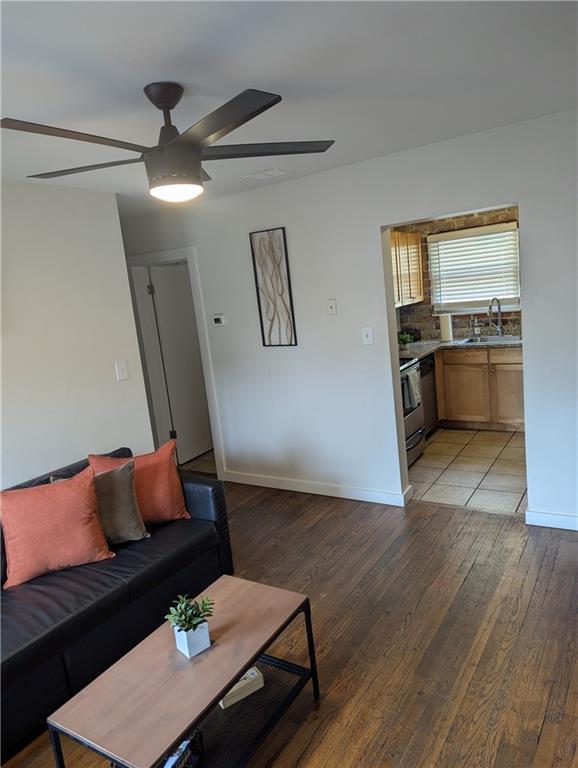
470, 267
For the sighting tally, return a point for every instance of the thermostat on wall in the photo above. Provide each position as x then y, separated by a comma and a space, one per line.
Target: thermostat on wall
219, 320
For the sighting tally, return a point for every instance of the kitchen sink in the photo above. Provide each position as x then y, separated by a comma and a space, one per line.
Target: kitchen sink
493, 340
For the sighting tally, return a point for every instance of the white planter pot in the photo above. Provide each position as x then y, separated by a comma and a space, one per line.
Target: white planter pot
194, 641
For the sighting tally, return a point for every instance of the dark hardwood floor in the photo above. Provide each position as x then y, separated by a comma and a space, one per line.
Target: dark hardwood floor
445, 637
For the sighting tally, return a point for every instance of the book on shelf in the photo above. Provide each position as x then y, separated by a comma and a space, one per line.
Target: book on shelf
251, 681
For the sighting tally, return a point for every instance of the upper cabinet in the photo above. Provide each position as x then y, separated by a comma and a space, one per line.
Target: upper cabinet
394, 264
414, 266
406, 264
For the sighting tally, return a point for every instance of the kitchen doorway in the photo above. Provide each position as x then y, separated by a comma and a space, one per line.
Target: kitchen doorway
456, 295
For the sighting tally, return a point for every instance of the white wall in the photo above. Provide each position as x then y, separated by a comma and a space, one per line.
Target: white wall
321, 416
66, 318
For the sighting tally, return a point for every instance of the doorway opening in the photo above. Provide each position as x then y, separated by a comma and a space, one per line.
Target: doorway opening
205, 463
172, 361
456, 294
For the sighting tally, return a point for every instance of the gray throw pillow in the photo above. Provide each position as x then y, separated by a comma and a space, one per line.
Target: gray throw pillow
117, 506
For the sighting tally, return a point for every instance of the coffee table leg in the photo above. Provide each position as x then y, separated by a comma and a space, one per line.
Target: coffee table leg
311, 647
56, 747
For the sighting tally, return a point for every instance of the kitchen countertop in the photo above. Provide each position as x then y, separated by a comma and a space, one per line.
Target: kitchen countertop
421, 349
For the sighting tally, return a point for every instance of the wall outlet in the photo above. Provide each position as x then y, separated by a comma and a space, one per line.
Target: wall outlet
121, 369
332, 307
367, 334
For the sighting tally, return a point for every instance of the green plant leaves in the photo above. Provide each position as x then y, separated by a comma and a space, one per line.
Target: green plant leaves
186, 614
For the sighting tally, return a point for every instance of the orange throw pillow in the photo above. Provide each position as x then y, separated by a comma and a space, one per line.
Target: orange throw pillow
50, 527
158, 488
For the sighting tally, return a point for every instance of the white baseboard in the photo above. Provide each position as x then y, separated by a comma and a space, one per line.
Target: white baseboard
323, 489
407, 494
552, 520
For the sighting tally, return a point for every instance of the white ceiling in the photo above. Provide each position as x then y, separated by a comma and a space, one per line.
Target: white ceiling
376, 77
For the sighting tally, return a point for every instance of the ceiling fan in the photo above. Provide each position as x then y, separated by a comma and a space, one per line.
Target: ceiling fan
173, 165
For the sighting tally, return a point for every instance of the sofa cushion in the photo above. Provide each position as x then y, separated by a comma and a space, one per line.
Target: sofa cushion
117, 505
158, 488
42, 616
51, 527
46, 613
63, 472
171, 547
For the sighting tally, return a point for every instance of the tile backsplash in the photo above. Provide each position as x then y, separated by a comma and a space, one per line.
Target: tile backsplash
420, 316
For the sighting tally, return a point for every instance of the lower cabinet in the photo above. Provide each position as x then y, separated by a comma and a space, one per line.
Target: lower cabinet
467, 393
507, 393
481, 386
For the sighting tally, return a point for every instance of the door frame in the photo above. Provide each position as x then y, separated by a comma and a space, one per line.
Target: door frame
189, 256
391, 317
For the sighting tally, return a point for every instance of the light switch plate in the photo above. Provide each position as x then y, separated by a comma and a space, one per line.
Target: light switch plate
367, 334
121, 369
332, 307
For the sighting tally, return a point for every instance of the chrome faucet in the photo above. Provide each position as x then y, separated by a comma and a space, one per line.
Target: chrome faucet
496, 325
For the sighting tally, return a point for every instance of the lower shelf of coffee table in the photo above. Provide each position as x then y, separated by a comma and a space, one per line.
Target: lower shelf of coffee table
232, 735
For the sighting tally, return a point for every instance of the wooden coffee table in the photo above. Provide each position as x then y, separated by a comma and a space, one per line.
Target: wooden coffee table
140, 709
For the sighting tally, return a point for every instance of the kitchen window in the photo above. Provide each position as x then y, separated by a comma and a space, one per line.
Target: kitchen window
469, 267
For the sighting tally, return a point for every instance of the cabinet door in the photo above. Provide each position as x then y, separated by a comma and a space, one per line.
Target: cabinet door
507, 393
414, 264
406, 267
395, 267
403, 260
467, 392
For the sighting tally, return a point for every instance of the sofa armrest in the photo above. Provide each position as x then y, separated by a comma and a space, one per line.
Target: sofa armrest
205, 500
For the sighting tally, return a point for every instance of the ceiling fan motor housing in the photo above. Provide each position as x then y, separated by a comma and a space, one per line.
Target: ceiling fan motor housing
164, 95
173, 165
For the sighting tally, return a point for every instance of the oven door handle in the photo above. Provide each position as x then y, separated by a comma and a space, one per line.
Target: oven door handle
415, 439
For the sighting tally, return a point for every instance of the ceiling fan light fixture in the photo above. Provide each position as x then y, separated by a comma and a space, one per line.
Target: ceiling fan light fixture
174, 173
177, 193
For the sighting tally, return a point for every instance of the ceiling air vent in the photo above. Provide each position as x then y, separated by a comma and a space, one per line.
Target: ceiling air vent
268, 174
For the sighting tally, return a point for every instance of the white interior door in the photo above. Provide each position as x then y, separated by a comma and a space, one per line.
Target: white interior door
151, 355
173, 360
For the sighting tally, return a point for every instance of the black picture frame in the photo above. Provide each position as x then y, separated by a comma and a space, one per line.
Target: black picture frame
273, 287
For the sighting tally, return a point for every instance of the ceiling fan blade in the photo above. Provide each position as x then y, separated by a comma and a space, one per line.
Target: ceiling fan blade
63, 133
230, 151
227, 118
83, 168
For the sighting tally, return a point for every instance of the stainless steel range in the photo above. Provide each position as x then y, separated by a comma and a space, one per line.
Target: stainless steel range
413, 415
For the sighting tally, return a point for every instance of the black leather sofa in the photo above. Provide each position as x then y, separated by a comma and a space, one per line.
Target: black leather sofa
61, 630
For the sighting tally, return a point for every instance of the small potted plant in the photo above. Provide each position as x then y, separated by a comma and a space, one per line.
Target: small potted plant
404, 340
188, 619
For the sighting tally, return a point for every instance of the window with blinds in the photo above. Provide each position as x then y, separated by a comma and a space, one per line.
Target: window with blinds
470, 267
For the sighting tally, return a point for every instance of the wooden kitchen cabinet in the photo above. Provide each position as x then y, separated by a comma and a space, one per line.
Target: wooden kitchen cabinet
507, 393
406, 266
414, 262
394, 237
467, 393
481, 387
507, 386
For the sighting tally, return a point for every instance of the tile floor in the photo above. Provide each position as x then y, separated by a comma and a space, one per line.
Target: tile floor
479, 470
204, 463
